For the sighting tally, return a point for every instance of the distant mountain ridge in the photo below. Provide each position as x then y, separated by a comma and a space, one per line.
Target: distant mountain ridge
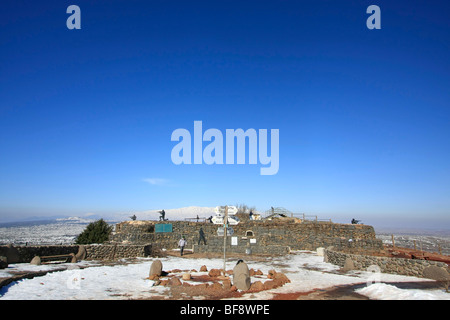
153, 214
173, 214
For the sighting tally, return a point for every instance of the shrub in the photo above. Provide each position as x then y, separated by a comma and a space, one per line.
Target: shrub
95, 232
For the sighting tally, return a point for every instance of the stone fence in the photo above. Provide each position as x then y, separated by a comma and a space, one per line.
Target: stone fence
407, 267
24, 254
283, 233
239, 245
116, 251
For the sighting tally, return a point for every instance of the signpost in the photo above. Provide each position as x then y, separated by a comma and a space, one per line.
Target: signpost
220, 231
231, 210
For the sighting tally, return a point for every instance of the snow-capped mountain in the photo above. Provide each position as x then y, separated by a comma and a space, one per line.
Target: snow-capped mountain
172, 214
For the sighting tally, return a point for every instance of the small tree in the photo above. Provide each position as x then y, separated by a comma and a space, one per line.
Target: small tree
95, 232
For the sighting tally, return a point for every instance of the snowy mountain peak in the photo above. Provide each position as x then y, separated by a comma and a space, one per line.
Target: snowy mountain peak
173, 214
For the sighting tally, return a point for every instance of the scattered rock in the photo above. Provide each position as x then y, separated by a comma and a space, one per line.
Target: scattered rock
163, 282
441, 275
156, 268
241, 276
242, 282
281, 278
226, 284
348, 265
320, 251
241, 268
203, 269
156, 283
186, 276
214, 273
270, 284
36, 261
257, 286
81, 254
255, 273
174, 282
436, 273
277, 280
153, 277
271, 274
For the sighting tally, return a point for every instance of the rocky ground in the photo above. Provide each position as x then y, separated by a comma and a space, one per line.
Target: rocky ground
262, 282
215, 285
207, 283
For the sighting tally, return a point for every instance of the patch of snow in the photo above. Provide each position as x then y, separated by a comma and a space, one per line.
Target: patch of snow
383, 291
306, 271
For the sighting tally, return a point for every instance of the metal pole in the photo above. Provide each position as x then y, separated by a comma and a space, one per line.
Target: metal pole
225, 228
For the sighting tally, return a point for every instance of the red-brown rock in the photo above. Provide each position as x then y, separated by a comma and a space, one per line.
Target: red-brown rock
173, 282
214, 272
257, 286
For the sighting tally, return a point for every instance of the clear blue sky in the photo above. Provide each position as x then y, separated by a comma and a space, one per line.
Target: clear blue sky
86, 115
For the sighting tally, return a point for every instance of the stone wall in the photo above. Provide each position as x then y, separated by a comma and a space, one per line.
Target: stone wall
407, 267
283, 232
24, 254
113, 252
242, 245
138, 239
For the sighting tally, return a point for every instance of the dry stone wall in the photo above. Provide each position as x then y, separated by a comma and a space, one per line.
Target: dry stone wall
265, 234
24, 254
407, 267
139, 239
112, 252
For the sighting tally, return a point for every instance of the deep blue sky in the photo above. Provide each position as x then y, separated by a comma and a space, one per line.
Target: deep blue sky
364, 116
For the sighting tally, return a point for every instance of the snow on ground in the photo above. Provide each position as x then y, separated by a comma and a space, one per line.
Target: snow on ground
54, 232
306, 270
383, 291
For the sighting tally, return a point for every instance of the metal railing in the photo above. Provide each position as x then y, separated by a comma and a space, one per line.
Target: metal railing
313, 218
277, 211
283, 212
197, 219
